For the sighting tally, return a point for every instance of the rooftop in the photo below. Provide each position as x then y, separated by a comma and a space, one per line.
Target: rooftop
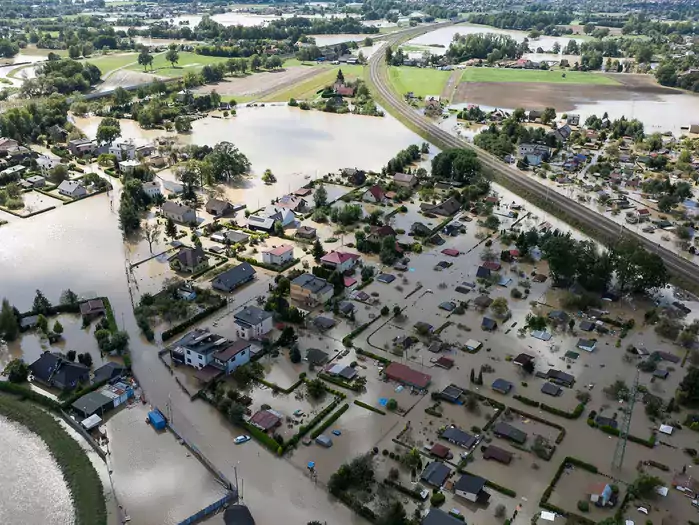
252, 315
280, 250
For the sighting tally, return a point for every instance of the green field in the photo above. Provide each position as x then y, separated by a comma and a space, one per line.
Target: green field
307, 89
490, 74
188, 62
421, 82
107, 63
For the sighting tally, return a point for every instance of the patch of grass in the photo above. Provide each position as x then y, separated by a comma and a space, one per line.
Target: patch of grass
80, 476
187, 62
421, 81
107, 63
491, 74
308, 89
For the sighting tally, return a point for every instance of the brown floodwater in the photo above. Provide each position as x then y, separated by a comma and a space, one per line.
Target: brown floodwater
34, 491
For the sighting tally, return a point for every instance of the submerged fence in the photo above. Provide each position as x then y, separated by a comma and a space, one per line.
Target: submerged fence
208, 511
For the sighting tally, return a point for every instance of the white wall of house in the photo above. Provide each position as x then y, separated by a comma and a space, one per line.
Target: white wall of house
270, 258
238, 360
196, 359
254, 331
467, 495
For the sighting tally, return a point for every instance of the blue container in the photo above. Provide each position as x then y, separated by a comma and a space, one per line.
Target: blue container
156, 419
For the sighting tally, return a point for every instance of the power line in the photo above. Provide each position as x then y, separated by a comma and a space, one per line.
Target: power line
620, 450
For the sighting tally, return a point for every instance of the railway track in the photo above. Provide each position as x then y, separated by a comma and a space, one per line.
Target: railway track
600, 226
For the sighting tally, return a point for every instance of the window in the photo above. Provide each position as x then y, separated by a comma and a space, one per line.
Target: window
201, 357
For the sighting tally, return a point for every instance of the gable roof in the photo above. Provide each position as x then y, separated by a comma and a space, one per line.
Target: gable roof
508, 431
338, 257
70, 186
470, 484
175, 208
108, 372
377, 192
404, 177
233, 350
234, 277
498, 454
435, 473
437, 516
280, 250
310, 282
252, 315
191, 257
458, 436
218, 205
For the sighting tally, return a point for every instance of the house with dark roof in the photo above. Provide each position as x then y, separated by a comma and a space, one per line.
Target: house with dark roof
218, 207
266, 420
92, 403
108, 372
189, 260
440, 451
502, 386
523, 359
238, 515
482, 301
446, 208
309, 290
323, 323
374, 194
316, 357
489, 324
551, 389
252, 322
458, 437
498, 454
53, 370
435, 474
559, 316
378, 233
92, 308
471, 488
560, 378
306, 232
234, 278
407, 376
604, 421
451, 393
507, 431
588, 345
437, 516
231, 357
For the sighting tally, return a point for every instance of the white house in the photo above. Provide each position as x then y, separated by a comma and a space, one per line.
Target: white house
128, 166
279, 255
374, 194
277, 213
252, 322
152, 189
340, 261
123, 149
72, 189
200, 348
235, 355
179, 212
46, 164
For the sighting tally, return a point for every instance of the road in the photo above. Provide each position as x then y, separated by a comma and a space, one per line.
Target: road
598, 226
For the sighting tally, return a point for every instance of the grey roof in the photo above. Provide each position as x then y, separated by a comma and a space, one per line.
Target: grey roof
551, 389
191, 257
324, 323
29, 321
92, 403
562, 377
70, 186
508, 431
438, 517
588, 343
488, 323
252, 315
604, 421
502, 385
108, 371
202, 342
316, 356
459, 437
231, 279
348, 373
311, 283
346, 307
238, 515
586, 326
218, 205
470, 484
435, 473
451, 392
176, 208
559, 315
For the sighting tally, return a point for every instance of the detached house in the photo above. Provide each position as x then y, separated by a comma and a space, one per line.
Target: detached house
80, 147
405, 180
340, 261
374, 194
179, 212
234, 278
218, 207
53, 370
72, 189
279, 255
309, 290
200, 349
189, 260
252, 322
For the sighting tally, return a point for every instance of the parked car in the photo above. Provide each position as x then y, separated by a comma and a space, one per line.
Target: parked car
241, 439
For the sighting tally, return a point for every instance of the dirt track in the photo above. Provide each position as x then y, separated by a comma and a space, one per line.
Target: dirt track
564, 97
264, 83
126, 78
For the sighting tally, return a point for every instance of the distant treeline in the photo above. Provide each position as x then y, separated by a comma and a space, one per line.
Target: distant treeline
522, 20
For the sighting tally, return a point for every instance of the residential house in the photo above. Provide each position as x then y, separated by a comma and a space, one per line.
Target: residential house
374, 194
404, 374
418, 229
483, 301
92, 309
405, 180
218, 207
127, 167
573, 120
179, 212
157, 161
445, 209
354, 176
46, 164
502, 386
303, 192
551, 389
236, 354
643, 214
13, 172
253, 322
341, 89
458, 437
534, 114
685, 482
36, 181
198, 347
258, 223
7, 144
588, 345
230, 237
498, 454
53, 370
600, 493
266, 420
189, 260
234, 278
435, 474
451, 393
379, 233
145, 150
109, 372
440, 451
72, 188
437, 516
559, 317
80, 147
238, 514
539, 150
294, 203
471, 488
123, 149
152, 189
489, 324
306, 232
340, 261
316, 357
279, 255
562, 133
507, 431
279, 214
560, 378
309, 290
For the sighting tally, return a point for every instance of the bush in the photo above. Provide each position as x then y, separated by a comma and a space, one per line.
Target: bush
369, 407
437, 499
583, 506
392, 404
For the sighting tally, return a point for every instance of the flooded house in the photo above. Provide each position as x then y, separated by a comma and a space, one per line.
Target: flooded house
404, 374
234, 278
189, 260
470, 488
309, 290
279, 255
253, 322
55, 371
179, 212
507, 431
435, 474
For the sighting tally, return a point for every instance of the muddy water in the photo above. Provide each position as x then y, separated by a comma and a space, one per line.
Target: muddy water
34, 491
445, 35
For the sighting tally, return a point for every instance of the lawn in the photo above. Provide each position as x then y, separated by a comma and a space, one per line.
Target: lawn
82, 478
307, 89
107, 63
490, 74
421, 82
187, 62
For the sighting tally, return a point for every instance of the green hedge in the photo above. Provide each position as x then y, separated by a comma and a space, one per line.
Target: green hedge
111, 321
339, 382
263, 438
527, 401
325, 424
415, 494
365, 283
575, 414
379, 358
279, 389
305, 429
26, 393
369, 407
432, 412
270, 267
168, 334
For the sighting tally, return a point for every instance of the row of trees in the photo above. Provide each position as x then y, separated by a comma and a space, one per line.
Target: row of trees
61, 76
485, 46
405, 158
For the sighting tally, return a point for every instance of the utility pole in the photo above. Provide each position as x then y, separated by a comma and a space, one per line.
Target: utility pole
620, 450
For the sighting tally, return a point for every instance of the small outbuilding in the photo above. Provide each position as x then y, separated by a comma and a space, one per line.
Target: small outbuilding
502, 386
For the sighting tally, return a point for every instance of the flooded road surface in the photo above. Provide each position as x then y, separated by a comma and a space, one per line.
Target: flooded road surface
33, 489
80, 247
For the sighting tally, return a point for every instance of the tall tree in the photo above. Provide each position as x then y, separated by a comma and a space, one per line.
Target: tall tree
151, 232
109, 130
172, 55
170, 228
9, 326
227, 162
637, 269
320, 197
145, 59
41, 304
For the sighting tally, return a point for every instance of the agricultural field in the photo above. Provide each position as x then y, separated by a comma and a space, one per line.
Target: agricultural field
489, 74
422, 82
108, 63
310, 87
187, 62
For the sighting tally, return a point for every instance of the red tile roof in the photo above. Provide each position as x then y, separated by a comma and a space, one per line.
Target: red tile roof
404, 374
280, 250
265, 420
349, 281
491, 265
439, 450
338, 257
451, 252
377, 192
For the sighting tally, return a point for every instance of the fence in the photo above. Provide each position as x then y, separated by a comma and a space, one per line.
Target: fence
211, 509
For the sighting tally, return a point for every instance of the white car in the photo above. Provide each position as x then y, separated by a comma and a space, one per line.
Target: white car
241, 439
